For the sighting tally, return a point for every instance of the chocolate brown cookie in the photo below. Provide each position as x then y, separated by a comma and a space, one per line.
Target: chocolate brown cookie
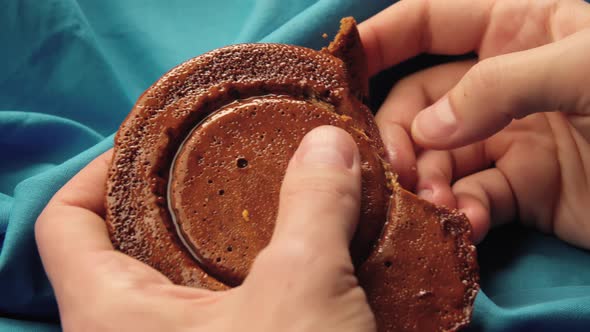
198, 163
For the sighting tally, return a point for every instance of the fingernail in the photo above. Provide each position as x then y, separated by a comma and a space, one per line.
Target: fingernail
326, 146
435, 122
425, 194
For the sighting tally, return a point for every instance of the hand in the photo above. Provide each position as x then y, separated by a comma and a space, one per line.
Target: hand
465, 134
303, 280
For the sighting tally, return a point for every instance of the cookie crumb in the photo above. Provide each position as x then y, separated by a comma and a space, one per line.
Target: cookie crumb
325, 35
246, 215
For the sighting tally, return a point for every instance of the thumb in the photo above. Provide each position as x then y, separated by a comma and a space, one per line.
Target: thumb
318, 210
497, 90
305, 277
320, 195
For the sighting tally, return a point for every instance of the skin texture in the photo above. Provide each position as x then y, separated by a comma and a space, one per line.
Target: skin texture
288, 278
504, 136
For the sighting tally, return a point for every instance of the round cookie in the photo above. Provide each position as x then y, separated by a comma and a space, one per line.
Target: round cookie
194, 181
233, 164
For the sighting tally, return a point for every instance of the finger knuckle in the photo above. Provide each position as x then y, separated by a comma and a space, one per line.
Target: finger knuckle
461, 184
333, 188
40, 226
411, 82
288, 257
44, 224
487, 74
468, 186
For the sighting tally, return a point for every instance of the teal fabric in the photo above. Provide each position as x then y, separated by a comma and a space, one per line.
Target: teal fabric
71, 70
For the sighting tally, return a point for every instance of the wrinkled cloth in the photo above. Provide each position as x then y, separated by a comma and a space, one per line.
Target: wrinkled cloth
70, 71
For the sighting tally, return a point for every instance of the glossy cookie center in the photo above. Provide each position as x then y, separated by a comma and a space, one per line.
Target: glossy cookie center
226, 178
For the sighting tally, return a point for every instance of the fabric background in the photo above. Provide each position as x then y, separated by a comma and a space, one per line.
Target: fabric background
71, 70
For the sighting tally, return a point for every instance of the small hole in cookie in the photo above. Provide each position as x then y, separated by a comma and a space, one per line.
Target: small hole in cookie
242, 163
221, 192
387, 264
229, 249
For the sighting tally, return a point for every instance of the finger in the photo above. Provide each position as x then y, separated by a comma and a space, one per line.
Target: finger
86, 189
406, 99
72, 218
412, 27
71, 224
400, 153
435, 172
70, 229
485, 197
500, 89
438, 169
409, 28
318, 211
320, 196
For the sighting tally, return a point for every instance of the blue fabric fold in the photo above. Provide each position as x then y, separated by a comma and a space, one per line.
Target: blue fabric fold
70, 72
